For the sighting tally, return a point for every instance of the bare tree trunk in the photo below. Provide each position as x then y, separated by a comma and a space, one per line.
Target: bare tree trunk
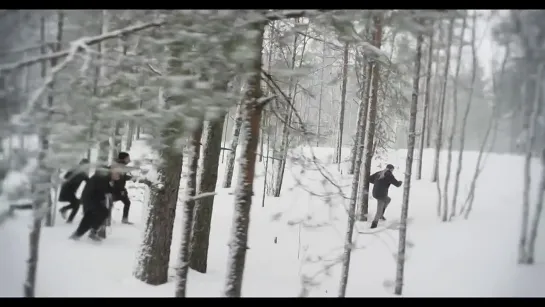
426, 108
225, 125
408, 170
343, 106
189, 204
534, 109
371, 126
466, 114
41, 187
468, 204
50, 217
230, 168
439, 137
454, 117
203, 206
266, 115
243, 196
321, 95
435, 90
284, 146
354, 194
537, 214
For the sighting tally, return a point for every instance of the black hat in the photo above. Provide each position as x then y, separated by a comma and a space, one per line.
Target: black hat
390, 166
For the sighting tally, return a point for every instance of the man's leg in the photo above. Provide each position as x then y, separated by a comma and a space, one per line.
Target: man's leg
380, 209
99, 219
85, 224
74, 205
126, 208
387, 201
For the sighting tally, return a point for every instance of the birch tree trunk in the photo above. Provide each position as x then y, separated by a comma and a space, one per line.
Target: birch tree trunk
439, 137
252, 107
343, 106
189, 204
426, 114
318, 137
461, 146
353, 199
454, 119
371, 126
534, 109
408, 170
439, 134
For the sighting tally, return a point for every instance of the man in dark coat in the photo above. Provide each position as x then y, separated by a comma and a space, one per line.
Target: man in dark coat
73, 179
120, 191
94, 199
381, 181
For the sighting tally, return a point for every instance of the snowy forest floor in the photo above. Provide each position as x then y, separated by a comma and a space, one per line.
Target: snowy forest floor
474, 257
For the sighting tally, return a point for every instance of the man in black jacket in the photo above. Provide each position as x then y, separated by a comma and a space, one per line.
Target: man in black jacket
73, 179
94, 199
120, 191
381, 181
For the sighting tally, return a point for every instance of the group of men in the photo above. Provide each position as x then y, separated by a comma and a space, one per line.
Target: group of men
101, 190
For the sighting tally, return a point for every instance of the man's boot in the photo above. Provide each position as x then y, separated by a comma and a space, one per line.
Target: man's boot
74, 237
93, 235
374, 224
125, 220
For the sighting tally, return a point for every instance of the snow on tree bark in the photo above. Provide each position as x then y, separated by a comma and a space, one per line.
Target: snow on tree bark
426, 111
208, 178
244, 190
154, 253
230, 168
371, 126
189, 205
408, 170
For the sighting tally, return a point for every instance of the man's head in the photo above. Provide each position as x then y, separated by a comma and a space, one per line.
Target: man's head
123, 158
390, 167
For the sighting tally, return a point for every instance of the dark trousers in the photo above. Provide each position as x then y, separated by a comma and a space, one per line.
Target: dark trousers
92, 219
382, 204
74, 206
126, 203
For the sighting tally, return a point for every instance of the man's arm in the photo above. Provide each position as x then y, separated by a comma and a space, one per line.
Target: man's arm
373, 178
393, 179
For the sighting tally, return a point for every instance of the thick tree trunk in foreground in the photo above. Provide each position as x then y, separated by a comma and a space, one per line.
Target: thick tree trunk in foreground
408, 171
203, 206
243, 196
189, 204
371, 126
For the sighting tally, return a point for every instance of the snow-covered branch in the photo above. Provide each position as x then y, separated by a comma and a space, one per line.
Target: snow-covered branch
82, 43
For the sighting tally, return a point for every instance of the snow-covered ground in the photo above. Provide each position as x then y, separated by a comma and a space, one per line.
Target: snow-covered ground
476, 257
